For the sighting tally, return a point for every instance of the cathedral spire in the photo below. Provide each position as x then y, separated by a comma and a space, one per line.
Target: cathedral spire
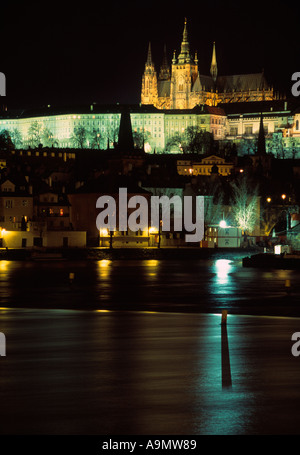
149, 56
149, 81
214, 67
261, 142
164, 73
184, 56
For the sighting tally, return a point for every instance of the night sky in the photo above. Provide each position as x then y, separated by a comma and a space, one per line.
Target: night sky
83, 52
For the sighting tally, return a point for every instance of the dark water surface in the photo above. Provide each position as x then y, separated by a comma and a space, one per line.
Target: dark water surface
136, 347
154, 285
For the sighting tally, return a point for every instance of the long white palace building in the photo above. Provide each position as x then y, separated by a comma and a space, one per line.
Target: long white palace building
55, 126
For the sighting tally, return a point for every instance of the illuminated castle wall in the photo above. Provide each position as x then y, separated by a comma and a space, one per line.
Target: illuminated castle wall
154, 126
181, 86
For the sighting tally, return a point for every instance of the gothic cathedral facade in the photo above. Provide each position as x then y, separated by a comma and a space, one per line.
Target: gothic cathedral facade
181, 86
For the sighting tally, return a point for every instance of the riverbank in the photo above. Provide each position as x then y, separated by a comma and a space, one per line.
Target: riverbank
272, 261
124, 253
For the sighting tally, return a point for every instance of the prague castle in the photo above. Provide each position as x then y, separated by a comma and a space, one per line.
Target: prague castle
181, 86
175, 99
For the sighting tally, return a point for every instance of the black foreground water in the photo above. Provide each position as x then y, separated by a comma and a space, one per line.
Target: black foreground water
136, 347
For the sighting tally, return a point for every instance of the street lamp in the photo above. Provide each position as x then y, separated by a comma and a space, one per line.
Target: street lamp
223, 224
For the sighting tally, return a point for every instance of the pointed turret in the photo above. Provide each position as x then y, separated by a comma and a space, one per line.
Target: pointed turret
213, 66
184, 56
164, 74
149, 81
261, 142
149, 56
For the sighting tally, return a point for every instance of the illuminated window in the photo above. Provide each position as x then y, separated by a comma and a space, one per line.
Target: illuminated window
61, 212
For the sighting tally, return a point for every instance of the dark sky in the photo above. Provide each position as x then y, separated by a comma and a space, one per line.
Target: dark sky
83, 52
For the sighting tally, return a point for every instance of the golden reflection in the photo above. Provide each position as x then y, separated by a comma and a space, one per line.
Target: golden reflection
152, 268
103, 311
4, 266
104, 268
104, 263
151, 263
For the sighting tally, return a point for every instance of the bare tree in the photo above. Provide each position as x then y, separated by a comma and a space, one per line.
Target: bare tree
79, 137
16, 138
48, 139
94, 138
244, 204
35, 134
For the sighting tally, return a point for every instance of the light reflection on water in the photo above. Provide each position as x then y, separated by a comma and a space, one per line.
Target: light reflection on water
107, 372
152, 285
223, 268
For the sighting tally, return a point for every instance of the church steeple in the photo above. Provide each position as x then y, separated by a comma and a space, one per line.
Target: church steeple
184, 56
164, 74
261, 142
149, 81
149, 56
213, 66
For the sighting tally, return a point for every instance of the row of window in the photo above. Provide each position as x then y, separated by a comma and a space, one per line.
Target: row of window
8, 203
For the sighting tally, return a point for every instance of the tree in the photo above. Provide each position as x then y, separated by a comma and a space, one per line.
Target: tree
269, 218
213, 209
34, 134
16, 138
277, 146
79, 137
245, 204
247, 146
197, 140
193, 140
112, 134
48, 139
174, 143
140, 138
5, 140
94, 138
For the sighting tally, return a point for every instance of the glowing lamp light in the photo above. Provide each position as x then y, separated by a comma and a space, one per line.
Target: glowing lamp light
147, 147
153, 230
103, 232
241, 171
283, 196
223, 224
269, 199
277, 249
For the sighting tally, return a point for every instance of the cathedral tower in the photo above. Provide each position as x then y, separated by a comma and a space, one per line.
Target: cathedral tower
184, 74
164, 73
213, 67
149, 81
